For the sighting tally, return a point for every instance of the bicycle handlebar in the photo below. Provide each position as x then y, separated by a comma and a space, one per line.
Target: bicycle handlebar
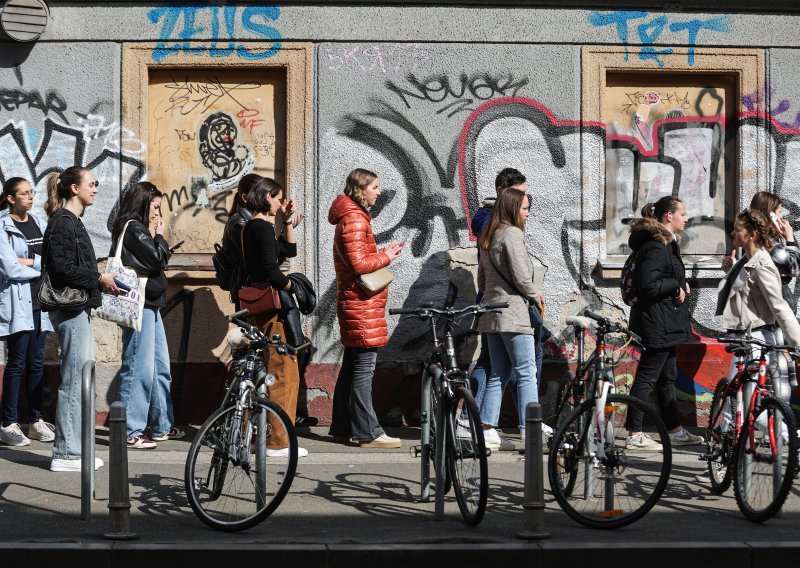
430, 311
258, 335
740, 343
612, 326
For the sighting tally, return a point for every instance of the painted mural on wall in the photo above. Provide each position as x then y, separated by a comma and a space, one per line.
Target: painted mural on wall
207, 129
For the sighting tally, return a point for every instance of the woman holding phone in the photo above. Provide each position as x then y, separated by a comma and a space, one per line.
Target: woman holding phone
362, 317
144, 378
69, 260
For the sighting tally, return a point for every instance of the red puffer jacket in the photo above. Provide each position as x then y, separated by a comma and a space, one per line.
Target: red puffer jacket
362, 318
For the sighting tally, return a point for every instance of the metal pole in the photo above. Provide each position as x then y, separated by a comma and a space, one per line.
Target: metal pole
261, 450
119, 503
87, 439
533, 506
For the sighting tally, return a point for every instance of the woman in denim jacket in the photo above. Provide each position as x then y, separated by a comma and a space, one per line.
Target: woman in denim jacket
22, 323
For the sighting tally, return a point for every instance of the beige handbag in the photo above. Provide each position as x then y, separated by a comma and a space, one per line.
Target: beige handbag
374, 282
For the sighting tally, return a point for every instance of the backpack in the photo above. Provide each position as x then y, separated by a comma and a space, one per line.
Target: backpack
627, 282
226, 270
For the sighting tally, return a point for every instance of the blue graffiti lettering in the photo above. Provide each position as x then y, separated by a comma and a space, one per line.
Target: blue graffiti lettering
254, 20
650, 31
694, 26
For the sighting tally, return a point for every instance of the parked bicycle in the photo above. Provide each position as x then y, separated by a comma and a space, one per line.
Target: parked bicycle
752, 436
230, 481
596, 479
451, 436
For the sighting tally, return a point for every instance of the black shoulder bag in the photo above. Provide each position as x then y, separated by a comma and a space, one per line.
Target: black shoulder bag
66, 297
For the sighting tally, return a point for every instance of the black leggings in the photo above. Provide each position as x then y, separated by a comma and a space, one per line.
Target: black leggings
657, 370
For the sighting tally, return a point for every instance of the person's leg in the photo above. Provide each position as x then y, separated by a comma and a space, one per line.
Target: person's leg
35, 365
483, 367
162, 417
647, 373
76, 338
284, 391
340, 418
17, 345
521, 349
137, 372
495, 383
363, 420
665, 391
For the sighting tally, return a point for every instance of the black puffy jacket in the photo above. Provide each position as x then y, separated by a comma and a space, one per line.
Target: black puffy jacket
65, 265
659, 275
148, 256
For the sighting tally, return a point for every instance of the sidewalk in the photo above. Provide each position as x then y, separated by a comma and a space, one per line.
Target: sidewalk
349, 501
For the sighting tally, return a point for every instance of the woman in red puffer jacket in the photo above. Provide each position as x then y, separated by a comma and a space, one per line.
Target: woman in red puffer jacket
362, 318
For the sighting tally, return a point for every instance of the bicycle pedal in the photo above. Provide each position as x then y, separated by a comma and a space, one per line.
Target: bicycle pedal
415, 451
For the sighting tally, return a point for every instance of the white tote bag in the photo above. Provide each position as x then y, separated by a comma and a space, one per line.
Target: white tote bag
125, 309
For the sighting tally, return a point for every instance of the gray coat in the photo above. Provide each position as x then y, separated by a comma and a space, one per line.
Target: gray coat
510, 254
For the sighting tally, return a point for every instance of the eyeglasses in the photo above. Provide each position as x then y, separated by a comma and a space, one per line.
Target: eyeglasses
26, 194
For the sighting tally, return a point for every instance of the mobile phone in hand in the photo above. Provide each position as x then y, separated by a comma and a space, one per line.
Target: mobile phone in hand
176, 246
776, 221
121, 285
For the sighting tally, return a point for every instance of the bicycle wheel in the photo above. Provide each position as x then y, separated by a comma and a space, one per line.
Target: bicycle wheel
720, 436
466, 456
230, 481
766, 460
607, 485
565, 402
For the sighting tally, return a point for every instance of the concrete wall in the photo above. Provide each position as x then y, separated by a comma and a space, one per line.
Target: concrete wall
436, 100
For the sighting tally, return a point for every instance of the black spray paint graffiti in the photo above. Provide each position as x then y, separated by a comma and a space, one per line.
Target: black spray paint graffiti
467, 90
220, 153
183, 199
191, 96
422, 189
69, 140
15, 99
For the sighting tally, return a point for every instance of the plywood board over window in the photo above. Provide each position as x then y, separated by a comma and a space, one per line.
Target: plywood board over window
670, 131
206, 130
209, 121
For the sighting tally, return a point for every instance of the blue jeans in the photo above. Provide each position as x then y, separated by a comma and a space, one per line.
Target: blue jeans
512, 356
145, 381
76, 338
25, 359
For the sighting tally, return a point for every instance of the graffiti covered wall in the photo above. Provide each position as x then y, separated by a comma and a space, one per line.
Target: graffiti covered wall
435, 110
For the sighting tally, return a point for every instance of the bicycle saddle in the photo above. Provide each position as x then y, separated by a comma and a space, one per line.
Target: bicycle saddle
579, 321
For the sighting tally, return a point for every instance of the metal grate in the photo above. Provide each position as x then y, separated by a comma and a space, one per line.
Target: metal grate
24, 20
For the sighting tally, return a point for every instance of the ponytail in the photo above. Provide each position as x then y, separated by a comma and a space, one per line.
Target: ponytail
59, 187
657, 210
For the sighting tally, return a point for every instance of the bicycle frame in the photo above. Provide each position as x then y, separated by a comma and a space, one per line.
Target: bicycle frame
437, 373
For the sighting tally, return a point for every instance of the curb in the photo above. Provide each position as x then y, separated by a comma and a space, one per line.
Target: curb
467, 555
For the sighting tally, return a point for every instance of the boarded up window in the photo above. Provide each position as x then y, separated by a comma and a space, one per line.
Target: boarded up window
667, 134
206, 130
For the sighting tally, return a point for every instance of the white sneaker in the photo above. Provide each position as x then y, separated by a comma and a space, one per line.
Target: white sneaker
495, 443
61, 464
643, 442
284, 452
12, 435
42, 431
685, 438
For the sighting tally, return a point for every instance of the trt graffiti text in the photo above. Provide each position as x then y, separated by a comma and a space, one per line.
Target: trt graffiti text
649, 32
195, 22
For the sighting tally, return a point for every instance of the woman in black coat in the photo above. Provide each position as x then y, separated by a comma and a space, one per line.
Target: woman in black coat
660, 316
